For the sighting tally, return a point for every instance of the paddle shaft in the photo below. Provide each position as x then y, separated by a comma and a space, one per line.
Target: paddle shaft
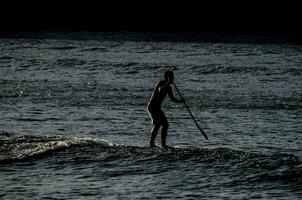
204, 134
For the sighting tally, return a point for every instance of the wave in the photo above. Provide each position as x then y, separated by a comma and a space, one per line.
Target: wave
19, 148
245, 100
70, 62
255, 70
97, 49
27, 147
252, 106
250, 167
62, 48
2, 58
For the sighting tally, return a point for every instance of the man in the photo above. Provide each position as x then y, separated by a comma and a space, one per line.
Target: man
158, 117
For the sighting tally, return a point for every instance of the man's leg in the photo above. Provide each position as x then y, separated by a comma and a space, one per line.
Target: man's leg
154, 132
164, 132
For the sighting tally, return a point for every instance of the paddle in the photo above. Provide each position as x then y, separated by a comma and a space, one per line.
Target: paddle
204, 134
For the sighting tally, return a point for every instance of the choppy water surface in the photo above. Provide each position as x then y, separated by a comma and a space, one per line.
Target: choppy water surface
73, 120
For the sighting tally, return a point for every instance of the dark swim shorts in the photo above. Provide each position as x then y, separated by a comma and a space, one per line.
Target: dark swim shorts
158, 117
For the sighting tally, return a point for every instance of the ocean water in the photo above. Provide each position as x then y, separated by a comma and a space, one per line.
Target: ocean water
74, 125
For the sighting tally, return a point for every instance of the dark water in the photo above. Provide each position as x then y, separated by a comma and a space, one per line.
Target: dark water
73, 120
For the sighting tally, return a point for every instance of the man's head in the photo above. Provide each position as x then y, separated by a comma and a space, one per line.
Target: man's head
169, 76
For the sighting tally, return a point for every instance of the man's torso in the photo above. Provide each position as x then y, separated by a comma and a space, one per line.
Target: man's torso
158, 95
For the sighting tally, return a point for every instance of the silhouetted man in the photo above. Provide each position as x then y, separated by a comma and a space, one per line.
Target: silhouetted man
158, 117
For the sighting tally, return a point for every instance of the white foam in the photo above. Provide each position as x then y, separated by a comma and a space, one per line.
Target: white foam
41, 148
31, 148
99, 141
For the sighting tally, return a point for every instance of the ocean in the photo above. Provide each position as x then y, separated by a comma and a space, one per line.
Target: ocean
74, 123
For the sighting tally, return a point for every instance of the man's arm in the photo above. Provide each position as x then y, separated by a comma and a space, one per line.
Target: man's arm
172, 97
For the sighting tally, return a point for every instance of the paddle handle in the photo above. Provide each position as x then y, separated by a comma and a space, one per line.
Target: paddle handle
203, 133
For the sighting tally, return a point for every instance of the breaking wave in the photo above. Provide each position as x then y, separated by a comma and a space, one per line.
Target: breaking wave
20, 148
26, 147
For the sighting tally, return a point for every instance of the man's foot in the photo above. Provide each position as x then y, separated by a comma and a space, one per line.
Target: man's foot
166, 146
152, 145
